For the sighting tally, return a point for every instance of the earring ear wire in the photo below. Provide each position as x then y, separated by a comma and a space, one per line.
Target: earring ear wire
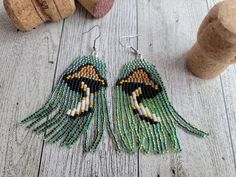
94, 52
128, 45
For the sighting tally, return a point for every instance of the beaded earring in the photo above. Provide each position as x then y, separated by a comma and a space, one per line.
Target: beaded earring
77, 105
145, 118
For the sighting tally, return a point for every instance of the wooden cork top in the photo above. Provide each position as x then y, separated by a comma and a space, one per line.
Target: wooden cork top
227, 15
27, 14
215, 48
98, 8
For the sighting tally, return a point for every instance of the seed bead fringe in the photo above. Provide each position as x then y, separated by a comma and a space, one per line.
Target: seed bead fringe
77, 106
145, 118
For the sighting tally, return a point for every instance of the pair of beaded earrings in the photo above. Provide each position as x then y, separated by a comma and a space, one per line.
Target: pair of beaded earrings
144, 117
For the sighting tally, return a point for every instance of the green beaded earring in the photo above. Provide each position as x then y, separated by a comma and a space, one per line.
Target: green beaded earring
78, 105
145, 118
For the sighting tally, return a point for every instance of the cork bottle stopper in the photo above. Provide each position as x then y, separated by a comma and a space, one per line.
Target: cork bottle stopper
98, 8
227, 15
215, 48
27, 14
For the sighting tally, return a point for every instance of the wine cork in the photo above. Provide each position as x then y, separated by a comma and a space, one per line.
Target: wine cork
27, 14
98, 8
215, 48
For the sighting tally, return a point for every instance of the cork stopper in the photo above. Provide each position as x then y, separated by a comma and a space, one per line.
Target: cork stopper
27, 14
215, 48
227, 15
98, 8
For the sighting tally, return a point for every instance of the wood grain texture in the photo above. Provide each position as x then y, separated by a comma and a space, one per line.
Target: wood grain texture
228, 81
166, 40
29, 62
105, 162
26, 79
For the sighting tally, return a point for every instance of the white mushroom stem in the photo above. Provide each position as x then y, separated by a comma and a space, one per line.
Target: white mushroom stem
86, 102
142, 111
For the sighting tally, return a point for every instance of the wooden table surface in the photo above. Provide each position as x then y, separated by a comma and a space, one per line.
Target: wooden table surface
31, 62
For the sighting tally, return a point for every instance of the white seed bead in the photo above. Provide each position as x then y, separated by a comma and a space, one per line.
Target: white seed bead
134, 95
78, 108
155, 118
88, 91
148, 113
143, 109
91, 99
140, 111
73, 112
68, 112
136, 104
87, 103
132, 101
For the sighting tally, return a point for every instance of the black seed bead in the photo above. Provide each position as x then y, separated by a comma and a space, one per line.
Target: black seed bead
135, 111
90, 110
139, 100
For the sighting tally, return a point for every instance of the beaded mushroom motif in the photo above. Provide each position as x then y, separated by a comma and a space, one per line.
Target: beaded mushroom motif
87, 82
77, 107
145, 118
139, 86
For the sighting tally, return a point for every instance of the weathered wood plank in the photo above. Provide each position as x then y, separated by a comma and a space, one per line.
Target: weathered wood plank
228, 81
167, 38
105, 162
25, 81
211, 3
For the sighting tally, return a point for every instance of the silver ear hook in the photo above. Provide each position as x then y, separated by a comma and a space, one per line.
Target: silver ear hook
128, 45
94, 53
